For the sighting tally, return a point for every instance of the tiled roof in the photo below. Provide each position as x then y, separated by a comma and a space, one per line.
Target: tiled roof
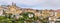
58, 10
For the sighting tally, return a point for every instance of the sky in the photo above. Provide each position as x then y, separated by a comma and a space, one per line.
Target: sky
34, 4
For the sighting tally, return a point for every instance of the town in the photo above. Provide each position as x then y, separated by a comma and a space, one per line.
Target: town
14, 14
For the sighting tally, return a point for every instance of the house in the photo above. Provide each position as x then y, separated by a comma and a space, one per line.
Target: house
1, 11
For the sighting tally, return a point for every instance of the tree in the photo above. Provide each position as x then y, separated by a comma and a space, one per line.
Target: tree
26, 17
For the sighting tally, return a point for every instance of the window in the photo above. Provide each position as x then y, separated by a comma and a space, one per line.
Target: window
40, 11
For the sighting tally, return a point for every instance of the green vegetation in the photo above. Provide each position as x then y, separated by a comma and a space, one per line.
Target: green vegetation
26, 17
7, 18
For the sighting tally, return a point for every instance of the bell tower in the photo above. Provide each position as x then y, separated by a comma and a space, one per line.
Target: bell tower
13, 4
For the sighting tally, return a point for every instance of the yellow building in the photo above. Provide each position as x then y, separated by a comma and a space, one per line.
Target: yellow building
17, 10
45, 13
58, 13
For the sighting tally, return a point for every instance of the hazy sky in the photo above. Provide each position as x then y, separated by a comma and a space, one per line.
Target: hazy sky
35, 4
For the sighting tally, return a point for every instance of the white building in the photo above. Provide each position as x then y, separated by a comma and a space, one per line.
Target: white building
53, 17
30, 15
1, 11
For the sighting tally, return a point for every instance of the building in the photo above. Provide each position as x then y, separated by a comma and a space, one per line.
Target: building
14, 9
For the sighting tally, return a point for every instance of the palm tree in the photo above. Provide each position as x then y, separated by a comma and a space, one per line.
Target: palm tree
4, 13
